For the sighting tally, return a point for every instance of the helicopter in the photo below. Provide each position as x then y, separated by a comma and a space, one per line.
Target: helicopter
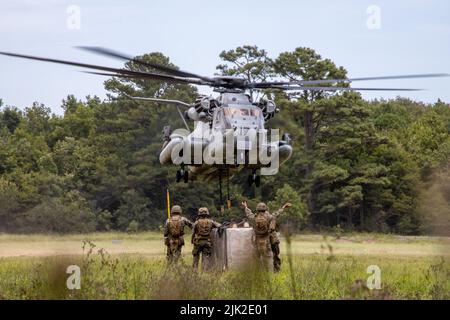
226, 126
231, 121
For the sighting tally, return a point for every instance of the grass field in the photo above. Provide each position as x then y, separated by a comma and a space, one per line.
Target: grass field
132, 266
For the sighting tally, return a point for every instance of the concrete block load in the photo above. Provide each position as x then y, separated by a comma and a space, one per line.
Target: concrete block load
234, 249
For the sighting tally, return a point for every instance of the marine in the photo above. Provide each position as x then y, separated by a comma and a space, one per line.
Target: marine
174, 232
274, 240
201, 239
265, 239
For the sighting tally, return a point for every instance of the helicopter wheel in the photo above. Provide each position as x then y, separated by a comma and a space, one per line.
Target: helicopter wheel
185, 176
258, 181
180, 175
254, 178
250, 180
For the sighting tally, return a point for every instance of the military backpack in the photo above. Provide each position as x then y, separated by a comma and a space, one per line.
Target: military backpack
262, 225
204, 227
175, 226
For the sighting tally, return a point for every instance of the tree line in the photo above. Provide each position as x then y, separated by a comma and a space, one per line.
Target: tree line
379, 165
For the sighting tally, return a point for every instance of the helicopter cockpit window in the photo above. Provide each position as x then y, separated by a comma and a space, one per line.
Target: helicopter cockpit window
241, 99
242, 112
248, 117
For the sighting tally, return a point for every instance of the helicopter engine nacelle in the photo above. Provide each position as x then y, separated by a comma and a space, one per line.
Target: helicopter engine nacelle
193, 114
202, 109
268, 108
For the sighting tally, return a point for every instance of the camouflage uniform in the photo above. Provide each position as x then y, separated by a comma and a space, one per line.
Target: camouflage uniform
201, 238
173, 234
275, 241
265, 238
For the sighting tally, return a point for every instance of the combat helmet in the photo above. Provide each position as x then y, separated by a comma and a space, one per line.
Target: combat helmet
203, 211
261, 207
176, 209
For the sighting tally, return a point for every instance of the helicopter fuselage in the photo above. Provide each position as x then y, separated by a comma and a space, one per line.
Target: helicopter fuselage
226, 139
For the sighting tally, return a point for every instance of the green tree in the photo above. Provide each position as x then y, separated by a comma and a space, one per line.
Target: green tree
119, 168
10, 118
69, 213
248, 62
306, 64
294, 217
375, 166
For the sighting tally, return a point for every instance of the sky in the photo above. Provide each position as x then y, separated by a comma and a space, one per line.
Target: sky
368, 38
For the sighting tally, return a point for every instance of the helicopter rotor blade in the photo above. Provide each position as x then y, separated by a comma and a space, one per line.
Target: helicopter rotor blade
309, 88
121, 56
118, 72
126, 76
157, 100
106, 74
177, 103
263, 85
178, 76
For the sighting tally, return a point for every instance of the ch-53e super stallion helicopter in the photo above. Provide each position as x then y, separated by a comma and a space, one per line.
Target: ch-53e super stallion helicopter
232, 116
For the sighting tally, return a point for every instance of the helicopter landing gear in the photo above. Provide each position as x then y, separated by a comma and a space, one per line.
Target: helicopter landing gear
254, 178
182, 174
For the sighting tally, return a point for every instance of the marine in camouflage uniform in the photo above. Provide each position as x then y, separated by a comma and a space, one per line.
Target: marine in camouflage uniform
274, 240
265, 234
173, 234
201, 238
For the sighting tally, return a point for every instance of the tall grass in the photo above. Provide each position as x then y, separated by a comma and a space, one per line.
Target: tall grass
328, 276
